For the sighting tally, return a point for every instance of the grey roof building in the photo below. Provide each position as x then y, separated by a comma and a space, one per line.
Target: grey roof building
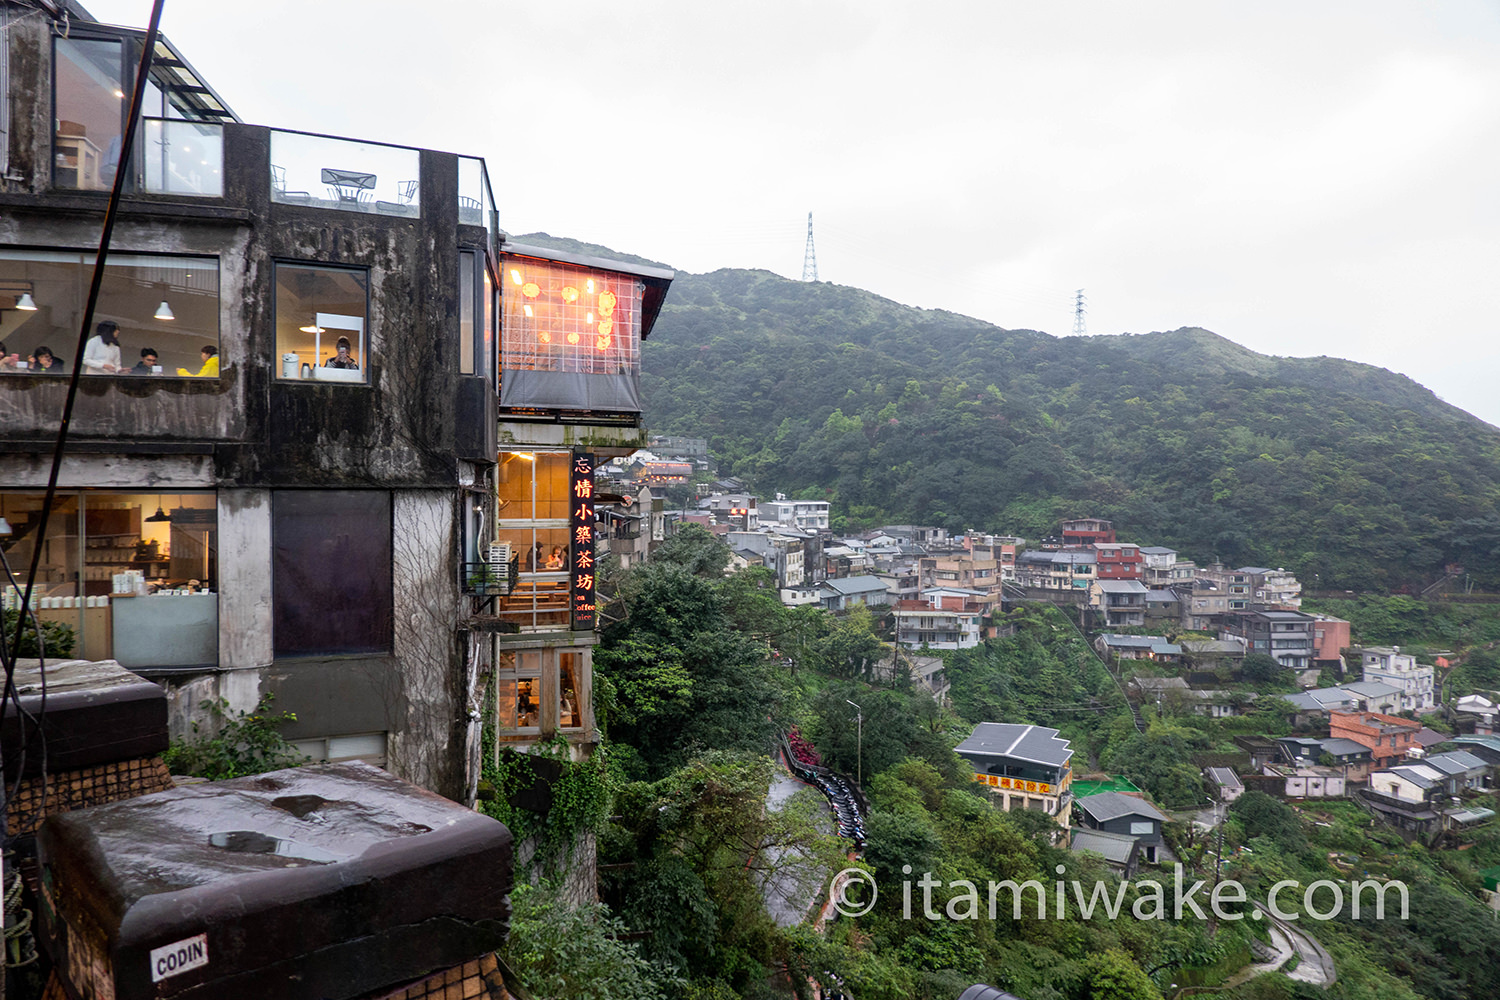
1120, 850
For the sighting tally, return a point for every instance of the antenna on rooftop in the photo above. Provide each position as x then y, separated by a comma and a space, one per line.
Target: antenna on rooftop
1079, 326
809, 256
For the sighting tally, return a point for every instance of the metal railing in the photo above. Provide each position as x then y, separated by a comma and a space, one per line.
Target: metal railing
486, 579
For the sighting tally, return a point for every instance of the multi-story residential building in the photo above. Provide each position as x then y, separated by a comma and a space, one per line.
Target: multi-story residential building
1272, 588
342, 450
1025, 767
782, 552
1001, 548
1123, 602
1118, 560
809, 515
1330, 639
1086, 531
679, 447
1388, 665
741, 511
1056, 569
1203, 604
1161, 569
963, 572
1285, 635
945, 618
1388, 737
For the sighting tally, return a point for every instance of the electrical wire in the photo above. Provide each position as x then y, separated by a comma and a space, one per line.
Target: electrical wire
111, 212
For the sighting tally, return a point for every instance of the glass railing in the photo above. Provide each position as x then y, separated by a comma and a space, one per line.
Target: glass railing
182, 157
346, 175
476, 202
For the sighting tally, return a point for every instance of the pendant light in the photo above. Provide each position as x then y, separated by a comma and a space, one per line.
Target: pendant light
26, 303
164, 311
159, 516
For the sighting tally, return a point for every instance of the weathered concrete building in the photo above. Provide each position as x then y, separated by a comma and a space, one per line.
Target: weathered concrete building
332, 435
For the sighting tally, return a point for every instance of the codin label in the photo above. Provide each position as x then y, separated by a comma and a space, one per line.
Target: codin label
179, 957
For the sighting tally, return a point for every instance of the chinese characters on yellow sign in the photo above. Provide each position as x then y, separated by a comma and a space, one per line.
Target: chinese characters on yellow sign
581, 571
1014, 784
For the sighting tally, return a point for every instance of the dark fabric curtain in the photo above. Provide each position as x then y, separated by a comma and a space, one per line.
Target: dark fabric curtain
570, 390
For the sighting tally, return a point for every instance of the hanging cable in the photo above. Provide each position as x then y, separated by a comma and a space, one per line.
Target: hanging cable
9, 694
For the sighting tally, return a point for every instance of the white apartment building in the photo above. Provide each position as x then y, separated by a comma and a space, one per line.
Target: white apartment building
1415, 681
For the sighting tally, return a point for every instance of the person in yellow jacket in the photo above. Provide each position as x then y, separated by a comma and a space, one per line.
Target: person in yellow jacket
210, 367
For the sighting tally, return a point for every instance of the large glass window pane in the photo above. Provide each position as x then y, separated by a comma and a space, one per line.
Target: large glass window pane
183, 157
569, 669
136, 583
89, 89
487, 364
320, 323
558, 318
326, 172
156, 315
466, 310
518, 690
331, 572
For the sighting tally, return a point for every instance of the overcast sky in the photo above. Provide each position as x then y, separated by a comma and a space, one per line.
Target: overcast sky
1301, 178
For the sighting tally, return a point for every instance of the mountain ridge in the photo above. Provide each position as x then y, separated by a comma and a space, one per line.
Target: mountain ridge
898, 414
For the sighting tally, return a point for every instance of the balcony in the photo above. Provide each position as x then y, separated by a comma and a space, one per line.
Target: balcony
323, 171
484, 579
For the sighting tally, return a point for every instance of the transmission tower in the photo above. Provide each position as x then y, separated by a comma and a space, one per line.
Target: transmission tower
1079, 326
809, 256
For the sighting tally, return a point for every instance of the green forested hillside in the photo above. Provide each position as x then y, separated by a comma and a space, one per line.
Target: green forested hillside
1351, 475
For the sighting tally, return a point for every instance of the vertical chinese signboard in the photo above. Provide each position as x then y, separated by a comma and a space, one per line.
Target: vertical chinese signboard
581, 570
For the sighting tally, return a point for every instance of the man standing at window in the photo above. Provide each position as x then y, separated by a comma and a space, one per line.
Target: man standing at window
342, 359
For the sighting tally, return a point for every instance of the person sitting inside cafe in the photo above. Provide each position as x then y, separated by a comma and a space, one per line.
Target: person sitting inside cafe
42, 359
342, 359
102, 352
147, 363
210, 367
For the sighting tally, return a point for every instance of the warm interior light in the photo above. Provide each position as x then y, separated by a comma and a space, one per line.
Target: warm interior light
119, 93
26, 303
591, 285
603, 342
606, 326
590, 318
525, 457
312, 327
528, 309
569, 293
531, 289
544, 337
515, 276
572, 338
164, 311
607, 302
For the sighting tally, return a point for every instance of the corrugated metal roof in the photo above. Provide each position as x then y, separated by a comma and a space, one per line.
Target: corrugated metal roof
1036, 744
1112, 805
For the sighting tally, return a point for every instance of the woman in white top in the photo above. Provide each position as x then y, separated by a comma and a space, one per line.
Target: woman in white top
102, 352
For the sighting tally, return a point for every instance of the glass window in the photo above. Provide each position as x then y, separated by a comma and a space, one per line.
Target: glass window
320, 323
518, 680
558, 318
156, 315
533, 501
331, 586
134, 574
89, 89
466, 311
487, 357
327, 172
569, 671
